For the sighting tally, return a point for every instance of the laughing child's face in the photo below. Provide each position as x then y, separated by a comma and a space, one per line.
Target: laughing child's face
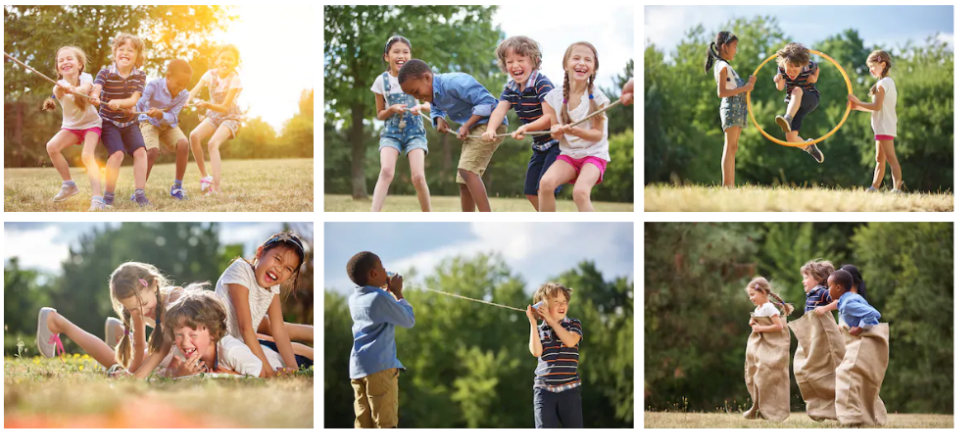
194, 342
581, 63
793, 70
276, 266
227, 61
421, 88
557, 306
809, 282
68, 65
519, 67
758, 298
397, 55
144, 303
125, 55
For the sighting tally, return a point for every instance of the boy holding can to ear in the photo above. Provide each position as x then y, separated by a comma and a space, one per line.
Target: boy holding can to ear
557, 386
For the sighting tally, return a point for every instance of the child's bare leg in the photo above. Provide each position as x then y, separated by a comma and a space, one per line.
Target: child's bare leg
888, 146
203, 130
140, 168
559, 173
467, 201
389, 157
222, 135
728, 156
582, 191
113, 170
297, 332
90, 162
416, 162
183, 150
533, 199
94, 346
151, 157
794, 102
60, 141
299, 349
880, 159
476, 187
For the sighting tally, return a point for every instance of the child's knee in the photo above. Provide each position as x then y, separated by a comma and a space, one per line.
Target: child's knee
465, 174
88, 156
387, 173
214, 145
546, 187
53, 147
182, 146
140, 153
581, 194
418, 179
797, 92
153, 153
195, 137
116, 158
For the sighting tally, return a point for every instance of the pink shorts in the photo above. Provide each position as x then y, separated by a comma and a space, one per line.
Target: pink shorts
884, 138
579, 163
81, 134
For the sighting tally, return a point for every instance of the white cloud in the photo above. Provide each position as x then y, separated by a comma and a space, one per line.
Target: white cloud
665, 26
35, 248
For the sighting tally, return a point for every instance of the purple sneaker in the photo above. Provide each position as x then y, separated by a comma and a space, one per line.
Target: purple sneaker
178, 193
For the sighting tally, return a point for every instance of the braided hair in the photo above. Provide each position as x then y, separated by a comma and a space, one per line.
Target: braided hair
760, 284
49, 104
564, 117
723, 38
879, 57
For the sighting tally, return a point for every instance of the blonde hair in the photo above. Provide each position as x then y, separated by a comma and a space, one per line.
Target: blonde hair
523, 46
126, 282
760, 284
123, 38
549, 290
879, 57
49, 104
793, 54
593, 106
818, 269
198, 307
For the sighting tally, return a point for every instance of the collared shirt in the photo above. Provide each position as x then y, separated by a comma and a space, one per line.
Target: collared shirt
459, 96
527, 103
375, 313
856, 312
116, 87
817, 297
557, 369
157, 96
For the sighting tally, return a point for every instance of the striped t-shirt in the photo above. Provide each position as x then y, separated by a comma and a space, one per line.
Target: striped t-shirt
800, 81
116, 87
527, 103
558, 365
817, 297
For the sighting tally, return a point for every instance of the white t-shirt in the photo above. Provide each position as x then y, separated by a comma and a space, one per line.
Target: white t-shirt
766, 310
884, 121
378, 86
75, 118
234, 354
241, 273
572, 145
732, 75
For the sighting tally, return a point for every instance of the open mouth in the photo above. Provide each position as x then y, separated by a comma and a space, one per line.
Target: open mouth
190, 352
518, 74
400, 63
581, 71
270, 277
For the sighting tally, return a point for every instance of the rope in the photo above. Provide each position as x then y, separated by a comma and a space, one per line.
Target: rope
472, 299
42, 75
540, 132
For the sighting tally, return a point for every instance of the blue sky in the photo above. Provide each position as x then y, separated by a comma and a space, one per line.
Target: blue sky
44, 245
665, 26
535, 251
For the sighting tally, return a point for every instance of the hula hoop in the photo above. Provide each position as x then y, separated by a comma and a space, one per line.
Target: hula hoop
848, 107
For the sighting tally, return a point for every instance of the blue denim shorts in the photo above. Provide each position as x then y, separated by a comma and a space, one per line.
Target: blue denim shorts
412, 143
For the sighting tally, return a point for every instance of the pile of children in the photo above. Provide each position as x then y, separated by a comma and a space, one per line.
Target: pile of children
136, 117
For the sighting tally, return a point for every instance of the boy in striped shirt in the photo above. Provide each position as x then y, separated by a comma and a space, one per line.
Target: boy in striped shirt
520, 58
797, 74
557, 392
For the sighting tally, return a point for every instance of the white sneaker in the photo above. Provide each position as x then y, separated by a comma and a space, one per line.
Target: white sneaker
96, 205
66, 191
205, 183
47, 342
113, 330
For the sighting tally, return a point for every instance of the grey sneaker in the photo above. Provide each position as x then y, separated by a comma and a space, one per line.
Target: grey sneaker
113, 331
66, 191
896, 191
96, 204
142, 200
785, 122
871, 189
46, 341
815, 152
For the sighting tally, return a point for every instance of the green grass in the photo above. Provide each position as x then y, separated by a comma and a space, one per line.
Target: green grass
409, 203
664, 198
796, 420
276, 185
40, 392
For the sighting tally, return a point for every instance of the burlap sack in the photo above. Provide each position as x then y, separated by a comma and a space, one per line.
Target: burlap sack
859, 377
820, 350
766, 373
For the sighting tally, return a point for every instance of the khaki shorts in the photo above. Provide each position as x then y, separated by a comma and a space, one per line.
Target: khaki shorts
375, 400
155, 136
475, 153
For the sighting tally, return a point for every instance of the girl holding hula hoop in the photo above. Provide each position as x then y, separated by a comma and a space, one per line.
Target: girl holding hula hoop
731, 91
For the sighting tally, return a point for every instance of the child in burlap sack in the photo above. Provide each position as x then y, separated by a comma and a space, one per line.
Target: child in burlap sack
766, 355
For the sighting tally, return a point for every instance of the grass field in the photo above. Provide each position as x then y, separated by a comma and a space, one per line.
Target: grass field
796, 420
404, 203
277, 185
664, 198
49, 393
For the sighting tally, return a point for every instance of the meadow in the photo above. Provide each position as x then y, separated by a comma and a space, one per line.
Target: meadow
667, 198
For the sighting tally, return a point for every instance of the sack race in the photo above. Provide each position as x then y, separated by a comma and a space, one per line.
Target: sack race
859, 377
766, 373
820, 350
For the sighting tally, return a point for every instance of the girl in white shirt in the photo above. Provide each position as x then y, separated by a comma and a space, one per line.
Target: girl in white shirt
81, 124
584, 148
732, 91
884, 119
760, 292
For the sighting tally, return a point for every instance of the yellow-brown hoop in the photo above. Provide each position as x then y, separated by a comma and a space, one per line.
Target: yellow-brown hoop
848, 107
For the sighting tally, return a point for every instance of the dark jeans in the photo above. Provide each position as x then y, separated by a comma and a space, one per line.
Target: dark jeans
558, 409
301, 360
808, 104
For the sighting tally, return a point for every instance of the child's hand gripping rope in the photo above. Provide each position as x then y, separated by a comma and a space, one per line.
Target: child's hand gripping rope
64, 86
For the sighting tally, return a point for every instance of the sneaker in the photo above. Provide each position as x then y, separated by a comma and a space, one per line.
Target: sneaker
178, 193
97, 204
66, 191
47, 343
205, 183
896, 191
113, 331
871, 189
785, 122
142, 200
815, 152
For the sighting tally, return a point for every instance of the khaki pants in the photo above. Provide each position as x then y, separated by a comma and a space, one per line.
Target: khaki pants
476, 154
155, 136
375, 400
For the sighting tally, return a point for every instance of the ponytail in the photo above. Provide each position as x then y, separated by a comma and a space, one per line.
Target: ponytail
721, 39
124, 351
711, 56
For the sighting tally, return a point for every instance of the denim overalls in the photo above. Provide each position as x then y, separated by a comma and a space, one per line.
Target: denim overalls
734, 109
403, 132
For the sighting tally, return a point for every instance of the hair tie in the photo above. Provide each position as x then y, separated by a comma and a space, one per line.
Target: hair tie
143, 282
591, 96
126, 331
566, 100
756, 287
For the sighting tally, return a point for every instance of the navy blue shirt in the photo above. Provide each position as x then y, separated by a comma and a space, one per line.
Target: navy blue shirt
817, 297
527, 103
558, 365
116, 87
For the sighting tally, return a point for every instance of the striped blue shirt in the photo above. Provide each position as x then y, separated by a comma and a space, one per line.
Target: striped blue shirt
527, 103
116, 87
800, 81
817, 297
557, 369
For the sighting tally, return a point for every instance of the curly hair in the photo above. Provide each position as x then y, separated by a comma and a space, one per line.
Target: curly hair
818, 269
194, 309
523, 46
137, 43
793, 54
549, 290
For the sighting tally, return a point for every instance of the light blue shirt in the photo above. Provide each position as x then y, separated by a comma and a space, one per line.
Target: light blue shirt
459, 96
375, 313
855, 311
157, 96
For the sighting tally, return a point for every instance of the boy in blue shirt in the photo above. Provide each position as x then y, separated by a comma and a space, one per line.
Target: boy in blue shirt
162, 101
460, 97
376, 305
520, 58
852, 308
